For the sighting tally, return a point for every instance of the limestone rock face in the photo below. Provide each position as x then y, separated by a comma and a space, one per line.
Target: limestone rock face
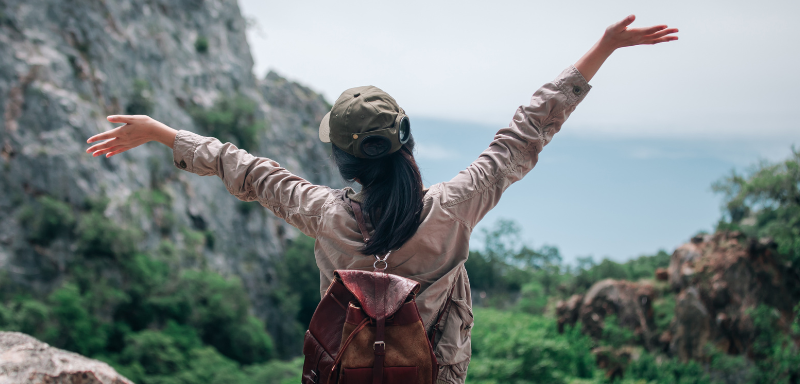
67, 64
25, 360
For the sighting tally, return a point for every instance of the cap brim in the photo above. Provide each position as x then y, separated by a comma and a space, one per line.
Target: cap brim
325, 128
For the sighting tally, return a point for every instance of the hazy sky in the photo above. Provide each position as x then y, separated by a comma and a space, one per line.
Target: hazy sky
631, 171
733, 73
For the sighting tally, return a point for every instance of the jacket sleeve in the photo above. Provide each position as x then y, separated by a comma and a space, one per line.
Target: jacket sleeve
514, 150
251, 178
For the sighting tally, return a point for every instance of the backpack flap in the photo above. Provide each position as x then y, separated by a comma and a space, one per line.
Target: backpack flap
380, 294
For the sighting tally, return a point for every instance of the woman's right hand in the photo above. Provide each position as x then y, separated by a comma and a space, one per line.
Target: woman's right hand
138, 129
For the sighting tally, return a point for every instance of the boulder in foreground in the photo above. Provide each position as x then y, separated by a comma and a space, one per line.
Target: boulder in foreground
25, 360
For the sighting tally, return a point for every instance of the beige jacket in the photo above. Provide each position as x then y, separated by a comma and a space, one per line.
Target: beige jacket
435, 255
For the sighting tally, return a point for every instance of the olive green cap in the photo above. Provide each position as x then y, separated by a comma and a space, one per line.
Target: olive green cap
359, 113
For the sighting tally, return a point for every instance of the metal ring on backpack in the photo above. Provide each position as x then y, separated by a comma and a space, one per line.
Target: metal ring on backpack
383, 260
385, 265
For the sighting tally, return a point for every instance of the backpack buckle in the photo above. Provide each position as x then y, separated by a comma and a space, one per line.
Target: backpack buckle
381, 343
314, 377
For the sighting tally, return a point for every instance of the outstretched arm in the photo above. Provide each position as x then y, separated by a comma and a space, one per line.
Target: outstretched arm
515, 149
618, 35
245, 176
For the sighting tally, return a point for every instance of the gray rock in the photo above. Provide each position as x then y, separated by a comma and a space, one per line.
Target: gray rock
691, 331
66, 64
25, 360
720, 279
630, 302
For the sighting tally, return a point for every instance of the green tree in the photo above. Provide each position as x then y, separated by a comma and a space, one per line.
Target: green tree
765, 202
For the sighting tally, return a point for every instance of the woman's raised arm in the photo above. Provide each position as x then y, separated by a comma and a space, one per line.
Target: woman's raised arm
515, 149
618, 35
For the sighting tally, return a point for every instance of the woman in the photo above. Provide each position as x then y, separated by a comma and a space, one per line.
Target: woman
422, 234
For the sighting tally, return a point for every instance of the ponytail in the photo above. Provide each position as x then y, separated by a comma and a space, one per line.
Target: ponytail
392, 189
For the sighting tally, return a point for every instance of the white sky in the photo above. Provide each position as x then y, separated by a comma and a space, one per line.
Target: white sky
733, 75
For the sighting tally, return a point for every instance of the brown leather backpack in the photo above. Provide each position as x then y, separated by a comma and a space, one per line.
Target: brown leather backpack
367, 329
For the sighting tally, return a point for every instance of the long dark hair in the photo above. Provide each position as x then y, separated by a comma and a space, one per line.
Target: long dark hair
392, 189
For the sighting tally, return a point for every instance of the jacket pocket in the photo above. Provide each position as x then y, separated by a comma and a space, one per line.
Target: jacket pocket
453, 374
455, 343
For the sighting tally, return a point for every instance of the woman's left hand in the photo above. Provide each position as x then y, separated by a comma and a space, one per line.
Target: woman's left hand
618, 35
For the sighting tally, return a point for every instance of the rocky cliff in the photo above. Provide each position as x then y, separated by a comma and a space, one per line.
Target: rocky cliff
720, 281
66, 64
717, 286
24, 360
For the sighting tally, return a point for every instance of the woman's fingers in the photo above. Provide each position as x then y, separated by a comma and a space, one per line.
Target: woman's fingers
106, 150
651, 30
117, 151
110, 134
662, 33
122, 119
102, 136
620, 25
663, 39
106, 144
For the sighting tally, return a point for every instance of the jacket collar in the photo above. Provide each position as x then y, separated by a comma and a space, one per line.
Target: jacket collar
358, 197
353, 195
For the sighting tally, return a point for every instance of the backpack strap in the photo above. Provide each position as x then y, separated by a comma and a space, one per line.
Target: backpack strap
381, 284
362, 225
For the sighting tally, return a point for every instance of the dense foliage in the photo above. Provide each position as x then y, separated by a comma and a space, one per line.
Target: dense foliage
511, 347
765, 202
152, 319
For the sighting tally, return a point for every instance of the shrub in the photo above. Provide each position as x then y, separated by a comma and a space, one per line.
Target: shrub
141, 100
158, 206
766, 203
201, 44
614, 334
648, 369
231, 119
218, 309
155, 352
46, 220
99, 236
664, 311
777, 354
276, 371
533, 298
520, 348
75, 328
299, 272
